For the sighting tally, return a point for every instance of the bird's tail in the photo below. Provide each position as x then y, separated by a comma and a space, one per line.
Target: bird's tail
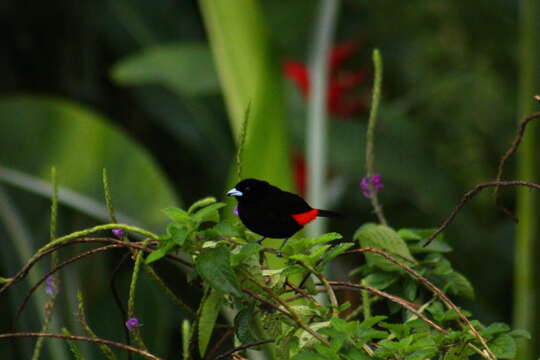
328, 213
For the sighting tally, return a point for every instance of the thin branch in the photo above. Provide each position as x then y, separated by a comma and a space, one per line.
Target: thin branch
434, 289
513, 148
469, 195
217, 345
243, 347
302, 293
138, 245
83, 338
292, 314
58, 267
406, 304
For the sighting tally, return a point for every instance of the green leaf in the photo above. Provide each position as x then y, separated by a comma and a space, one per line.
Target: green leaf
312, 258
244, 325
226, 228
410, 288
184, 68
176, 214
214, 266
208, 314
504, 347
384, 238
209, 213
459, 285
334, 252
159, 253
520, 333
495, 328
178, 234
245, 252
201, 203
380, 280
84, 143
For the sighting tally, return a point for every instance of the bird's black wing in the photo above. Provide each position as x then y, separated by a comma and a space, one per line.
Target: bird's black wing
286, 203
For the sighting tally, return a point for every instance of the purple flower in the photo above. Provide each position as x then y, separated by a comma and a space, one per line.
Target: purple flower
132, 323
376, 182
118, 233
235, 210
50, 286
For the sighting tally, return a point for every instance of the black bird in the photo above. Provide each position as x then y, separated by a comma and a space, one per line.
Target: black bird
271, 212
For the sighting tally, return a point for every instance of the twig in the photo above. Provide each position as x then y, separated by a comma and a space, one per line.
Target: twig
470, 194
243, 347
292, 314
22, 273
132, 349
406, 304
211, 354
434, 289
58, 267
303, 294
513, 148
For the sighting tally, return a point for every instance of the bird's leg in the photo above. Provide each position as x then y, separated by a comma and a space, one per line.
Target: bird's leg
283, 243
261, 240
278, 251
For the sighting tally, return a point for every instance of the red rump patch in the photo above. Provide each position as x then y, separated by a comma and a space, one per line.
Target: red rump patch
306, 217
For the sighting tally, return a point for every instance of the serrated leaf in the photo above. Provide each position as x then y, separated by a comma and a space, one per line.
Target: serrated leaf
437, 245
226, 228
503, 347
245, 252
384, 238
410, 288
409, 234
159, 253
214, 266
244, 325
520, 333
495, 328
177, 233
334, 252
324, 238
201, 203
380, 280
176, 214
459, 285
207, 318
312, 258
370, 321
209, 213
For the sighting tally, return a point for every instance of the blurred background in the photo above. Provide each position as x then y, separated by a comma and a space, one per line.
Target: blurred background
156, 92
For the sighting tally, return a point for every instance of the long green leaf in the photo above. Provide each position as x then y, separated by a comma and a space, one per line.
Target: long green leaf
80, 143
209, 313
249, 75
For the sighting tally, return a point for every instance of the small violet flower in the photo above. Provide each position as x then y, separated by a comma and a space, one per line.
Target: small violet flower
235, 210
50, 286
132, 323
117, 233
375, 180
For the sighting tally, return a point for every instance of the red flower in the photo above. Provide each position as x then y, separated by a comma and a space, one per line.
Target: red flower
341, 101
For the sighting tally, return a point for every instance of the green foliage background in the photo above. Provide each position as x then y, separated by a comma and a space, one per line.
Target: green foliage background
132, 86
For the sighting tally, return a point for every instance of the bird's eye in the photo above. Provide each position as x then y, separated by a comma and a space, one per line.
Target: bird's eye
247, 188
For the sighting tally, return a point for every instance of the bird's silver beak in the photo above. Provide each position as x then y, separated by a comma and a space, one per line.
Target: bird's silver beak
234, 192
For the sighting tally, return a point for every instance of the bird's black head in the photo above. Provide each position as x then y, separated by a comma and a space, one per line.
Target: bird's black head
250, 189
